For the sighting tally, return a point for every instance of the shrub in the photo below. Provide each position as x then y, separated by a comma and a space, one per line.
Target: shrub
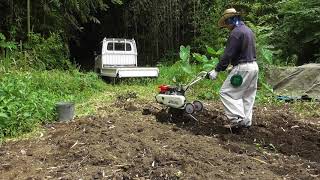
38, 53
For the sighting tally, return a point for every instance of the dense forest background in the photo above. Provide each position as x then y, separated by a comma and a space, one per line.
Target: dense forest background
64, 31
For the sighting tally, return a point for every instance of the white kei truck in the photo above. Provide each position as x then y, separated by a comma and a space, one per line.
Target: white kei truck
117, 59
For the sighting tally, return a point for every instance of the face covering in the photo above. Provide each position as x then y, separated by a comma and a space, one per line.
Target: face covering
235, 20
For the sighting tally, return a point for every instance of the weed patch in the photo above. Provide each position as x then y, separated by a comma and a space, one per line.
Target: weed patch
28, 98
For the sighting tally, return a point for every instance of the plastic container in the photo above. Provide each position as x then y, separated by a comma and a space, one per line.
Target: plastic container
65, 111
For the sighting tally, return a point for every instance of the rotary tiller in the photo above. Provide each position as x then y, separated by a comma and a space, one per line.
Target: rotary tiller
174, 98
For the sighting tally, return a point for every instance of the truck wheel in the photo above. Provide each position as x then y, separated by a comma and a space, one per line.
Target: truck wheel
97, 70
114, 80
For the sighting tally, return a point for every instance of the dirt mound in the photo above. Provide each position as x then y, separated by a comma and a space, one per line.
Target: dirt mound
273, 129
124, 144
296, 81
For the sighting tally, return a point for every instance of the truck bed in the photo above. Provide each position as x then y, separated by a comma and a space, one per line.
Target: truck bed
123, 72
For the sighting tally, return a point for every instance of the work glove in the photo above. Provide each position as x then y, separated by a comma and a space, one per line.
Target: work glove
229, 69
213, 74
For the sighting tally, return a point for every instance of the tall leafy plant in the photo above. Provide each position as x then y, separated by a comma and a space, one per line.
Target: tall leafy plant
206, 63
183, 69
185, 59
191, 63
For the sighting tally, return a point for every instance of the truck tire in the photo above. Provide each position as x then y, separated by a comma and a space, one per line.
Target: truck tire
114, 80
98, 72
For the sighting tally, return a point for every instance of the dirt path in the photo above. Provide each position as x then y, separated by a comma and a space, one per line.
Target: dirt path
122, 143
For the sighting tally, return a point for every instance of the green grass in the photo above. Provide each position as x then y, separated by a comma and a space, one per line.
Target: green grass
28, 99
307, 109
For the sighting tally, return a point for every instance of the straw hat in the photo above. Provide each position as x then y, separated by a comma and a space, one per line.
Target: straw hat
227, 14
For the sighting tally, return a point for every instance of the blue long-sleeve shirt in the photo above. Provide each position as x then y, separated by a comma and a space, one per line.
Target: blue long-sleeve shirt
240, 48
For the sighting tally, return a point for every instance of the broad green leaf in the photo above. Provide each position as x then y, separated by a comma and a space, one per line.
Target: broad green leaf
205, 59
200, 58
197, 56
208, 67
186, 67
214, 60
185, 53
220, 51
210, 50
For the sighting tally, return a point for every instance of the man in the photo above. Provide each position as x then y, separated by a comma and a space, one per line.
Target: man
239, 89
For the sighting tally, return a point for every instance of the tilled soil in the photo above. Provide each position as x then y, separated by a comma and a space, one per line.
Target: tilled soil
138, 140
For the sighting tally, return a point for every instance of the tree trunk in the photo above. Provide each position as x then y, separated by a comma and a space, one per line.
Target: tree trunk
28, 16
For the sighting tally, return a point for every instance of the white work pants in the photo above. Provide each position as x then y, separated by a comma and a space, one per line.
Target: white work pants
238, 101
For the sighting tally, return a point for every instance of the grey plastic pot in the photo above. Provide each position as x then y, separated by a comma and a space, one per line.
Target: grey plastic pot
65, 111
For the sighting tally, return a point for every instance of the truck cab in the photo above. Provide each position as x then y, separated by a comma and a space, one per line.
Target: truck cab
118, 59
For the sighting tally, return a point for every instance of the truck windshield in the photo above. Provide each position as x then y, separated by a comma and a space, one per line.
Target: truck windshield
119, 46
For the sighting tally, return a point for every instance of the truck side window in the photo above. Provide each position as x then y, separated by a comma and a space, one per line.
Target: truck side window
110, 46
128, 47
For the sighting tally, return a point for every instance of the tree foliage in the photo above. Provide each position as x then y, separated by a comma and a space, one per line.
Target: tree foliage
160, 27
49, 16
54, 23
298, 32
286, 30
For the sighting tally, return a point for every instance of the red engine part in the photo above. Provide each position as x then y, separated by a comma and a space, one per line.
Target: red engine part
164, 88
